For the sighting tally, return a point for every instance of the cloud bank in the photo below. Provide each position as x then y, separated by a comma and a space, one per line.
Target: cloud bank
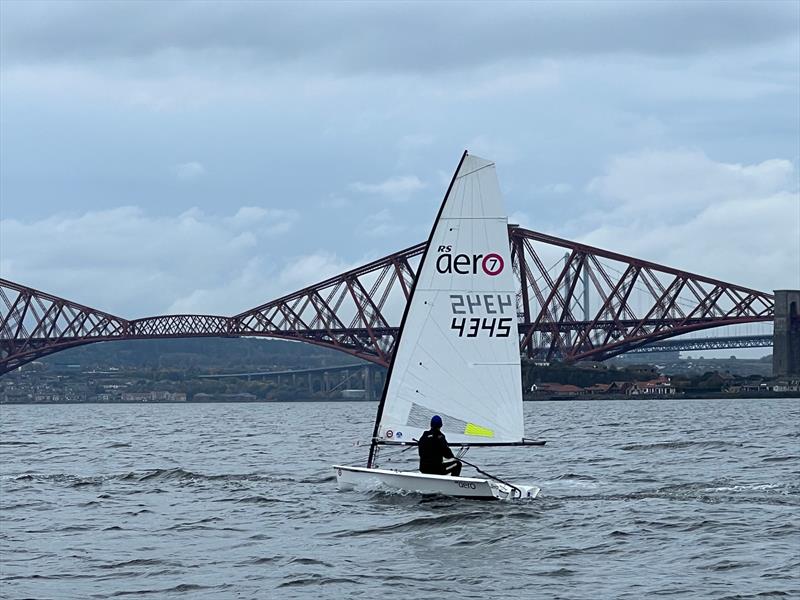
131, 263
207, 157
387, 36
739, 223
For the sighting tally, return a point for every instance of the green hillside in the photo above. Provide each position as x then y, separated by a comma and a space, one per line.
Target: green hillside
204, 354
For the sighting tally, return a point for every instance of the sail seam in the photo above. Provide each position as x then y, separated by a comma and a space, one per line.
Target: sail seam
475, 171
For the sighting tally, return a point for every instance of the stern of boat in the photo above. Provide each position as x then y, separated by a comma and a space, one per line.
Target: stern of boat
518, 492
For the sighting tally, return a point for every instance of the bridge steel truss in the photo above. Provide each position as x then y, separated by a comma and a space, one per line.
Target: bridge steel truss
715, 343
589, 304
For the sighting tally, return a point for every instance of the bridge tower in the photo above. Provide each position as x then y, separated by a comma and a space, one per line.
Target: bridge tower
786, 335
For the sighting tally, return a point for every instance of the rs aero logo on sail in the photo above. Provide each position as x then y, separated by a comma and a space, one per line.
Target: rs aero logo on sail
468, 264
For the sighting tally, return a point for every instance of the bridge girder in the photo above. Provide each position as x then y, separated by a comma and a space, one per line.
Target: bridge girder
714, 343
581, 310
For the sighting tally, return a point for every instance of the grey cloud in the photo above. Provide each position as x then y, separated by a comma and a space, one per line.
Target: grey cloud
689, 211
398, 186
393, 37
189, 170
106, 258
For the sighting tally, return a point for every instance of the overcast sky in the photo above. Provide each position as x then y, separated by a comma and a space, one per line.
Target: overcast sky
208, 157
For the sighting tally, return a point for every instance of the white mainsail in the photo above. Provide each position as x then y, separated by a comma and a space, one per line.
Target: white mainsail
458, 353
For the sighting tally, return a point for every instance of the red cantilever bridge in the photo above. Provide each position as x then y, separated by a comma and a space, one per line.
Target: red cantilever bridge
589, 304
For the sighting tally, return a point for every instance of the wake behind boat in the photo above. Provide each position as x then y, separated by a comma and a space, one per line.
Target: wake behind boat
457, 352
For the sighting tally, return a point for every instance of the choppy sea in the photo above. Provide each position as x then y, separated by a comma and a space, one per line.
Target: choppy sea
640, 499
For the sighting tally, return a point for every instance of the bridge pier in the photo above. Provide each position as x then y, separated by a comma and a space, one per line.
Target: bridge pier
368, 395
786, 335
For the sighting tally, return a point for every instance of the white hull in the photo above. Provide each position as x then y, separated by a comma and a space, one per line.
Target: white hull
422, 483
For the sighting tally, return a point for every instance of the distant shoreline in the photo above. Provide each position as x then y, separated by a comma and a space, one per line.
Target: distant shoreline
708, 396
16, 403
711, 396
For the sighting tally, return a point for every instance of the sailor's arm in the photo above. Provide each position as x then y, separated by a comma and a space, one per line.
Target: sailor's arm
446, 452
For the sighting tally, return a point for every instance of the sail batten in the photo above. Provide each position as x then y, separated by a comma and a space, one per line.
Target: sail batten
457, 354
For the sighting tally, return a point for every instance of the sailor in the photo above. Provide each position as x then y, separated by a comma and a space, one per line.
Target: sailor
435, 456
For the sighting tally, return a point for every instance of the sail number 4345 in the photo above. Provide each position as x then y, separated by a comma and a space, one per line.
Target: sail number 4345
492, 326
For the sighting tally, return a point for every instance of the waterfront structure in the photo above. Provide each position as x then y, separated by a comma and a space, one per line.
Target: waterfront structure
786, 334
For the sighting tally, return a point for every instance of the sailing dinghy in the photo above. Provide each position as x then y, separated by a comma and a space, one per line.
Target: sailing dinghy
457, 352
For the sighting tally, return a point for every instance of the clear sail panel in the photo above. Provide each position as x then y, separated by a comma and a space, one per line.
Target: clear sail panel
458, 355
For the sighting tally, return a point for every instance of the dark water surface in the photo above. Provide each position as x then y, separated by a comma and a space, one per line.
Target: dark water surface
670, 499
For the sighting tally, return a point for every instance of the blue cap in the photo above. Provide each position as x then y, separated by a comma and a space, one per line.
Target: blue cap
436, 421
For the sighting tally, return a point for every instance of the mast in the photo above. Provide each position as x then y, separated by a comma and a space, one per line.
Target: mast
373, 444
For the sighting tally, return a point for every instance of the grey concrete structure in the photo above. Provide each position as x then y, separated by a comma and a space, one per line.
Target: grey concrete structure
366, 378
786, 341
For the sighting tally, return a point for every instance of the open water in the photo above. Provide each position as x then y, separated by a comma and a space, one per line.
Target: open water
669, 499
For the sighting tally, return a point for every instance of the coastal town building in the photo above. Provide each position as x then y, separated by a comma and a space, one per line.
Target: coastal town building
658, 387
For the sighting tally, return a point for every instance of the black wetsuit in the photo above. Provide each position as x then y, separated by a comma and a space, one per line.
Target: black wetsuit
435, 456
